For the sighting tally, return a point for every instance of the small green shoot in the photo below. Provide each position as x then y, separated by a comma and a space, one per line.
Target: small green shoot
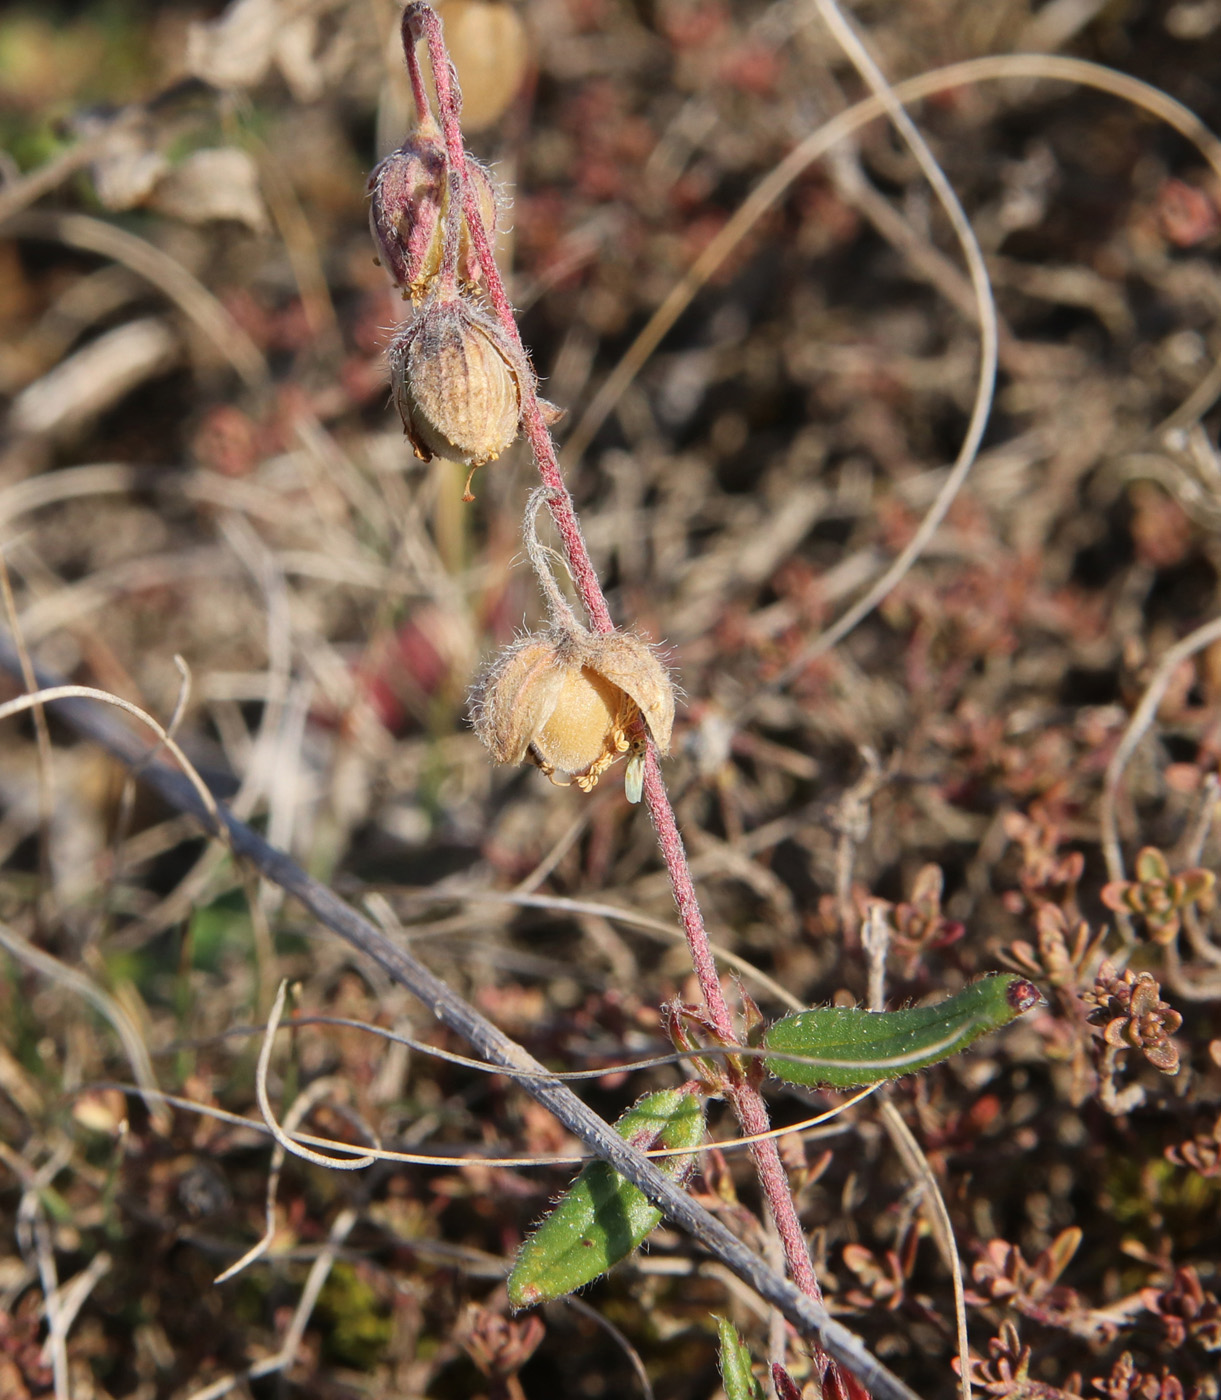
739, 1380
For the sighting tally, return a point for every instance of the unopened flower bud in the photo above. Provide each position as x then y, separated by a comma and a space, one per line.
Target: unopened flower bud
409, 197
407, 192
454, 386
567, 700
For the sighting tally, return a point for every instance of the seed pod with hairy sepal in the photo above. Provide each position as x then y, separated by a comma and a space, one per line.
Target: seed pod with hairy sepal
406, 195
567, 699
408, 200
454, 383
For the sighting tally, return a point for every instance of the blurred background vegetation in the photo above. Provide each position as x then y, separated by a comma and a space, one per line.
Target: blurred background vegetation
198, 458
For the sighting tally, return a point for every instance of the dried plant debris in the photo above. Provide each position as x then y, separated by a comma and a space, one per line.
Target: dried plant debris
203, 376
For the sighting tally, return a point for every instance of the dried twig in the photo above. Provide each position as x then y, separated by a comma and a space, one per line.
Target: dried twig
804, 1312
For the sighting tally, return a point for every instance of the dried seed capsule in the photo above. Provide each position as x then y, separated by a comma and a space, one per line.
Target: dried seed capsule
568, 699
516, 695
586, 730
632, 665
454, 386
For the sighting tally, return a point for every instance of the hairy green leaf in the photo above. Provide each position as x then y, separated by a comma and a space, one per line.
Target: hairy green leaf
602, 1217
740, 1382
846, 1047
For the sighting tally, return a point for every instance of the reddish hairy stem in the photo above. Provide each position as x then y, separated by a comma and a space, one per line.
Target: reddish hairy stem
751, 1112
423, 107
674, 853
747, 1102
421, 20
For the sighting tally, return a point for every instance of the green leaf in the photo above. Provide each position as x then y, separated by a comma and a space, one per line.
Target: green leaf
1151, 866
846, 1047
739, 1380
602, 1217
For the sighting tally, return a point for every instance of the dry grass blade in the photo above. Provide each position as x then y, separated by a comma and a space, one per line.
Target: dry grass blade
1137, 727
815, 146
80, 985
167, 274
75, 703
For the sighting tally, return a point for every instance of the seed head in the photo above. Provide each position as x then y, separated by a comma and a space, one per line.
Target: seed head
454, 385
567, 699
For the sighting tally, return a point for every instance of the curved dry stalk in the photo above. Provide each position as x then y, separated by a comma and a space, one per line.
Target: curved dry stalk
814, 1129
165, 738
1142, 717
85, 987
319, 1272
278, 1132
876, 941
814, 147
301, 1105
806, 1313
483, 1159
168, 275
933, 1201
989, 338
578, 1304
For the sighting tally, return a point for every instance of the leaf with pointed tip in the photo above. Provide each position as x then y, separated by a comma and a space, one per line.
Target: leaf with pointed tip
847, 1047
602, 1217
739, 1380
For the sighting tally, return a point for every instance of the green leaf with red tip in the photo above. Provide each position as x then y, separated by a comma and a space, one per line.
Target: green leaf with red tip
602, 1217
846, 1047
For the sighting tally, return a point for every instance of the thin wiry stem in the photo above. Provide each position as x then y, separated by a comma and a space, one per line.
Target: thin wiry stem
747, 1102
981, 285
804, 1312
1142, 717
989, 339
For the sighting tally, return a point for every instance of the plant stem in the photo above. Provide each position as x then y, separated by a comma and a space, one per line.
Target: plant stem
423, 108
747, 1102
808, 1316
